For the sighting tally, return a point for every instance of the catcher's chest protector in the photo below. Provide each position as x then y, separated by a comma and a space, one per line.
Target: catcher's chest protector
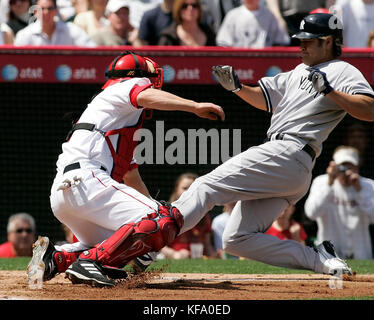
126, 144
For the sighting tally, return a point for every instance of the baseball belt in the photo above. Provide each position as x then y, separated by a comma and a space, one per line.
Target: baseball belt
76, 165
307, 148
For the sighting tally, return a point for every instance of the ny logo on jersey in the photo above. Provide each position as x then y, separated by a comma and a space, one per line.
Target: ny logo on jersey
307, 86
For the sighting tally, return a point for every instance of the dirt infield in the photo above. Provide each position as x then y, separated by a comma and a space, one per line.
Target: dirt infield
168, 286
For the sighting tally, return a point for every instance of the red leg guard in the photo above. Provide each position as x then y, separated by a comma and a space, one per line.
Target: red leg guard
133, 240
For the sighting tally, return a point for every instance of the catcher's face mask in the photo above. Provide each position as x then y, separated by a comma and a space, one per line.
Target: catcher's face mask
158, 73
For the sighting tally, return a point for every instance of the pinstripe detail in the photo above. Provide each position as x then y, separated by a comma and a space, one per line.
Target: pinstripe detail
93, 175
364, 93
133, 198
267, 97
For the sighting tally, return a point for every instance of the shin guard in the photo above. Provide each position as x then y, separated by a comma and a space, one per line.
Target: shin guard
135, 239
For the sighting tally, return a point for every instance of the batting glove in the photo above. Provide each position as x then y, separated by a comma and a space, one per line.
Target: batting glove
319, 81
227, 77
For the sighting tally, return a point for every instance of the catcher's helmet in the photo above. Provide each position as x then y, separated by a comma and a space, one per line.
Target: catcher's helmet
131, 65
319, 25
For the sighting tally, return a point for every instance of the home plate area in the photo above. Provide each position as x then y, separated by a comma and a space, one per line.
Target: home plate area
194, 286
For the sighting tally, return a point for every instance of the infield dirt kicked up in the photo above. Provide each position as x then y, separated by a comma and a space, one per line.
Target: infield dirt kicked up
194, 286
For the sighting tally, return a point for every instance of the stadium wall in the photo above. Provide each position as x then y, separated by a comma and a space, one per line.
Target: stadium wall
39, 87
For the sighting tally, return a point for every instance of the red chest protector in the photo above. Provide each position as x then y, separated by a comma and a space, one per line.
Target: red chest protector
123, 154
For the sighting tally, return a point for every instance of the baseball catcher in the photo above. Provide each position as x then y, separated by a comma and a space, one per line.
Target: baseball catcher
98, 192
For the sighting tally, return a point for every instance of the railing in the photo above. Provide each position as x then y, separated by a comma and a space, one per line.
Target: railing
182, 65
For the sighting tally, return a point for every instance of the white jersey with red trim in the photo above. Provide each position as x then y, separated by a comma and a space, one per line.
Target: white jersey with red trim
84, 196
299, 111
114, 108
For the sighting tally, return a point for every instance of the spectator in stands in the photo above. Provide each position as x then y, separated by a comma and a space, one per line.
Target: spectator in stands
49, 30
187, 28
94, 19
21, 233
80, 6
66, 9
4, 10
120, 31
356, 135
251, 25
358, 20
137, 9
153, 22
370, 43
342, 203
218, 226
6, 34
201, 233
218, 10
289, 13
287, 228
19, 15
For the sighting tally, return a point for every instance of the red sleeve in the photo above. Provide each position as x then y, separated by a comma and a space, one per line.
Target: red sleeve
135, 91
6, 250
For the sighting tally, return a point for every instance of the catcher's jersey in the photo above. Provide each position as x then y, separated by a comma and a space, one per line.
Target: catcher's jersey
114, 108
298, 110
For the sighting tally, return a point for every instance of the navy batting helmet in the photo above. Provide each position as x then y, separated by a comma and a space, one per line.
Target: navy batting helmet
319, 25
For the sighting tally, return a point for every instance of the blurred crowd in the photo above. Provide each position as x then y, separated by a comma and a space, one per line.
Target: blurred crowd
192, 23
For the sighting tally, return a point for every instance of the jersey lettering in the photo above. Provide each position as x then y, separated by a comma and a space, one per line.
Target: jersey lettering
307, 85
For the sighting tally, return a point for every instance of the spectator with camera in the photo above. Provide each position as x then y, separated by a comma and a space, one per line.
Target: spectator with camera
342, 203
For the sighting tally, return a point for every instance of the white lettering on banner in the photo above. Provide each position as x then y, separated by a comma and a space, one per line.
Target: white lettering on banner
82, 73
188, 74
245, 74
31, 73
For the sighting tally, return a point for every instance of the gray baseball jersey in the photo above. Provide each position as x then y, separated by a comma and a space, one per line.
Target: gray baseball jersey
298, 110
264, 179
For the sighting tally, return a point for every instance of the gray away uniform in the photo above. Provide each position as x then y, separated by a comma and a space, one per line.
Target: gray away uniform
264, 179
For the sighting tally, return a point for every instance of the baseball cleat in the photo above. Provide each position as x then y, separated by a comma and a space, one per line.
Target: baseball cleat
332, 264
42, 260
140, 264
88, 272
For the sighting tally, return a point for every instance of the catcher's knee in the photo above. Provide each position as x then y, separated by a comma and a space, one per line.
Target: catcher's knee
163, 227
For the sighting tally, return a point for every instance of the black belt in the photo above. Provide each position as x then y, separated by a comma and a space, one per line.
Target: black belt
307, 148
76, 165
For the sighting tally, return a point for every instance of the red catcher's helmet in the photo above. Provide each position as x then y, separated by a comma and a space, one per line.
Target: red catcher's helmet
131, 65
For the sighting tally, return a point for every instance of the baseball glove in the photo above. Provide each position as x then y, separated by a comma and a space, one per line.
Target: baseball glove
227, 77
319, 81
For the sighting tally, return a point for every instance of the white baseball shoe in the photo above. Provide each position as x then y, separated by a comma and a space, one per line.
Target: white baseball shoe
331, 263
